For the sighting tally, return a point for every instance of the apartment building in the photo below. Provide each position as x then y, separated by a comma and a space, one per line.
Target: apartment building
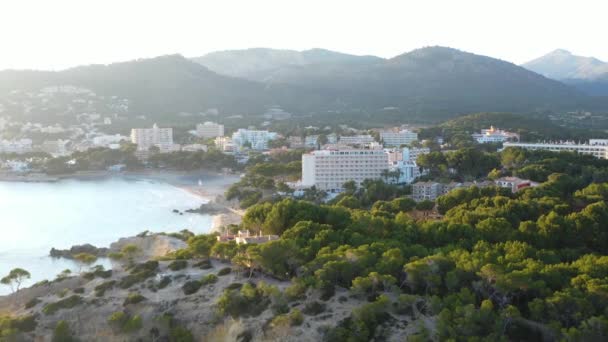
155, 136
514, 183
253, 139
396, 139
209, 130
426, 191
360, 140
329, 169
224, 144
598, 150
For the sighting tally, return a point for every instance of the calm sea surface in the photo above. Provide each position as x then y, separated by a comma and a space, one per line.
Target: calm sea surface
34, 217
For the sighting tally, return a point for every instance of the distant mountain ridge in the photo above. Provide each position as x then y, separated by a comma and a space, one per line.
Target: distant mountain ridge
562, 64
428, 84
587, 74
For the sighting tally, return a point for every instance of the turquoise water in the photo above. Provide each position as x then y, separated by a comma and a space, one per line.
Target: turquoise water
34, 217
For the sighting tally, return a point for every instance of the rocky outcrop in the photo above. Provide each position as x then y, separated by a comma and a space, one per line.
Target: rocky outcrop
151, 246
77, 249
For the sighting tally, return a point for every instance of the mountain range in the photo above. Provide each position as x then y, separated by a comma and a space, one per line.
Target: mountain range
588, 74
427, 84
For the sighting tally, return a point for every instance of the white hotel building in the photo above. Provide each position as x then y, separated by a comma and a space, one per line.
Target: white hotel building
493, 135
148, 137
596, 147
256, 140
396, 139
209, 130
329, 169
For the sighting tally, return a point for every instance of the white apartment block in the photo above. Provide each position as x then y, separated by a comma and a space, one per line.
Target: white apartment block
311, 141
598, 151
426, 191
356, 140
209, 130
493, 135
148, 137
396, 139
406, 153
329, 169
256, 140
224, 144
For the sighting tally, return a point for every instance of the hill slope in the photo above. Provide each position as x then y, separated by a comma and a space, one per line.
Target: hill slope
260, 64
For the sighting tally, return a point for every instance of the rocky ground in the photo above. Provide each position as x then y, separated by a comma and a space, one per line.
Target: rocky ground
88, 315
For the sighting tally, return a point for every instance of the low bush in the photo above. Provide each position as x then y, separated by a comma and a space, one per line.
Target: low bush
178, 265
314, 308
234, 286
204, 264
164, 282
209, 279
224, 271
139, 273
133, 298
62, 333
32, 302
101, 289
123, 322
191, 287
66, 303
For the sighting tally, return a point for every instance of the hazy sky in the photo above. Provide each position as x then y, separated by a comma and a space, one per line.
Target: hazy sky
55, 34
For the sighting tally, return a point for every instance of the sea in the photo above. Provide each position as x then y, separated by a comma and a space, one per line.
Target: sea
35, 217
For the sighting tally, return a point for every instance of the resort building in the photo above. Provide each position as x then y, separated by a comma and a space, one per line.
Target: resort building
493, 135
408, 171
155, 136
209, 130
224, 144
514, 183
597, 150
244, 237
253, 139
359, 140
396, 139
329, 169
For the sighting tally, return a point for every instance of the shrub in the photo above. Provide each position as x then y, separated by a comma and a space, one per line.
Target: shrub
79, 290
296, 291
191, 287
234, 286
133, 324
139, 273
224, 271
293, 318
62, 333
17, 324
65, 303
32, 302
124, 323
180, 334
133, 298
209, 279
178, 265
204, 264
101, 289
164, 282
314, 308
248, 301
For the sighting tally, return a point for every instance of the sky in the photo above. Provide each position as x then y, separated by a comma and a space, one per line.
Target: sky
59, 34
